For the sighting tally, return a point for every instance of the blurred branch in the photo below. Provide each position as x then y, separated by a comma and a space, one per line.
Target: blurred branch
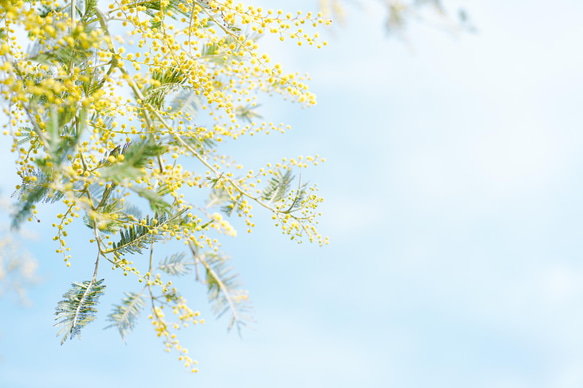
18, 268
400, 13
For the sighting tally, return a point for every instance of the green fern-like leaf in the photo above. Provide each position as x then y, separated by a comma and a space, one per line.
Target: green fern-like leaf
224, 290
31, 192
218, 197
168, 81
103, 192
210, 49
187, 102
278, 186
171, 296
136, 156
76, 52
124, 315
62, 134
137, 237
200, 144
299, 196
90, 10
153, 7
113, 212
157, 202
175, 265
77, 308
27, 135
215, 53
247, 113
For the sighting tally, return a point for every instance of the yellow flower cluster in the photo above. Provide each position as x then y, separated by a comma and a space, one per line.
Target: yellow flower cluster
105, 105
163, 329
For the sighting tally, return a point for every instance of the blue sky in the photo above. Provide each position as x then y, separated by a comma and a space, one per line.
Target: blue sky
452, 187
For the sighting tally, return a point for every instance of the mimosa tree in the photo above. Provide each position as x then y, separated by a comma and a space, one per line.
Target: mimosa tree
110, 104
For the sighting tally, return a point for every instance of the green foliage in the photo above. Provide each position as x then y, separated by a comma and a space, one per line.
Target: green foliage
165, 83
77, 309
135, 157
187, 102
62, 135
136, 237
217, 197
105, 194
153, 8
125, 314
106, 126
77, 53
278, 186
247, 113
176, 265
90, 11
157, 202
224, 290
34, 188
299, 196
113, 212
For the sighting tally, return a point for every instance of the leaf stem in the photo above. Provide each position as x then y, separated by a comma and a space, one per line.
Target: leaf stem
222, 285
73, 6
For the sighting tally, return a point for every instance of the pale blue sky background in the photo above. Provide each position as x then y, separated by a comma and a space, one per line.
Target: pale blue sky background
453, 204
